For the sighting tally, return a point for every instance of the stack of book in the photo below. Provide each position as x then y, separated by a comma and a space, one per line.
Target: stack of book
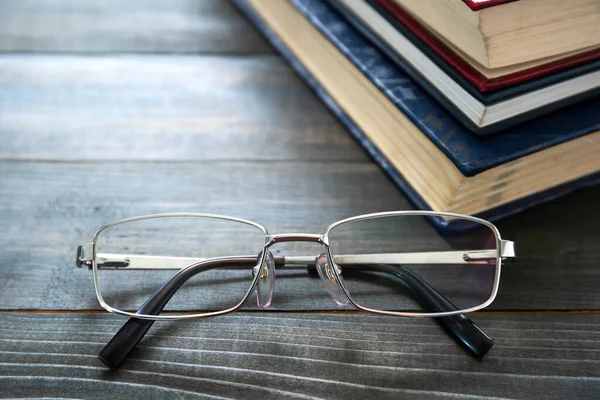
480, 107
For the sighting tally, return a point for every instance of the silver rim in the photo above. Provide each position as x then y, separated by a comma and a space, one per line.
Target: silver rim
322, 239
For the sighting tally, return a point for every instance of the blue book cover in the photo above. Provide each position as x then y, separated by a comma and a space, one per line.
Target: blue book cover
471, 154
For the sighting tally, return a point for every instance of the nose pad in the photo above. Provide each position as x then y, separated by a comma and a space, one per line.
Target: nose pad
329, 278
266, 282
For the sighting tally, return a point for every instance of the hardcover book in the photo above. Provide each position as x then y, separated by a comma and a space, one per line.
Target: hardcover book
427, 153
483, 113
511, 33
476, 78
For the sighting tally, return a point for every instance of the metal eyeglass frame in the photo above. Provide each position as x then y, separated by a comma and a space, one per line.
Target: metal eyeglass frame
453, 320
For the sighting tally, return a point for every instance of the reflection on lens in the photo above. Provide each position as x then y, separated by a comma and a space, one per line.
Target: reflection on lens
161, 247
401, 263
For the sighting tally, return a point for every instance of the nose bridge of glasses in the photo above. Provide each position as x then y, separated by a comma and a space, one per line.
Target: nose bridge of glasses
295, 237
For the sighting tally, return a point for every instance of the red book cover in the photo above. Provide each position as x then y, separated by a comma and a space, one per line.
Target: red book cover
471, 74
477, 5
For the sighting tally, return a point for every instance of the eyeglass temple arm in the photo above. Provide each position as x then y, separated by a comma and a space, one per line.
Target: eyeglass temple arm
130, 334
131, 261
122, 261
461, 327
127, 338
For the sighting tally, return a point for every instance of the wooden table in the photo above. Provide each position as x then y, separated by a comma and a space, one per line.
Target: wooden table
111, 109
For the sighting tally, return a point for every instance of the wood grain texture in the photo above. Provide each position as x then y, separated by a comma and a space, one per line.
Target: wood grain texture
276, 355
90, 137
134, 26
558, 254
158, 108
47, 209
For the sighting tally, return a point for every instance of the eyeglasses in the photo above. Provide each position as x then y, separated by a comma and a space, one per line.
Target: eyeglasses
181, 266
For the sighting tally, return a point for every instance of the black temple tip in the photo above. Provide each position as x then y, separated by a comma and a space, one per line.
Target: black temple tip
467, 333
125, 340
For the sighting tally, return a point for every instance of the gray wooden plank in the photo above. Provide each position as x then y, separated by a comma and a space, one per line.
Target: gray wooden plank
47, 209
558, 254
163, 108
145, 26
301, 356
72, 200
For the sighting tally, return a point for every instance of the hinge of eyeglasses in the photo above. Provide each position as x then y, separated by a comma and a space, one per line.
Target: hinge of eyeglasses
507, 253
84, 255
